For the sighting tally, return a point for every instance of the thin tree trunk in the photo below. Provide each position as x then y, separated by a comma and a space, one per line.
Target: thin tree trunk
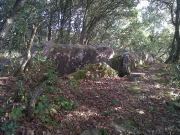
172, 51
49, 27
28, 53
83, 32
69, 23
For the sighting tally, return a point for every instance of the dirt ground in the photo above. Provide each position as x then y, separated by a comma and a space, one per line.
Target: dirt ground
101, 101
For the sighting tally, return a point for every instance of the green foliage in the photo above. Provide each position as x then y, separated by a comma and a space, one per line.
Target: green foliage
44, 98
51, 75
44, 106
67, 105
43, 65
40, 109
159, 70
74, 83
78, 90
75, 86
58, 125
60, 100
171, 108
177, 100
145, 66
114, 102
176, 79
22, 91
16, 113
2, 110
69, 127
109, 112
9, 66
9, 127
135, 90
167, 94
104, 131
47, 120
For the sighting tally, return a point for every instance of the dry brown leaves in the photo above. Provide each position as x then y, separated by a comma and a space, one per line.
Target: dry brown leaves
99, 102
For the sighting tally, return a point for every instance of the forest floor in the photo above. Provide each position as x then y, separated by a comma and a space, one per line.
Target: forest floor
100, 102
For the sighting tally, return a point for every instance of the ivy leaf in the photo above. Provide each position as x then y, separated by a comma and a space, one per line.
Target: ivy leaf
54, 110
16, 113
40, 108
43, 59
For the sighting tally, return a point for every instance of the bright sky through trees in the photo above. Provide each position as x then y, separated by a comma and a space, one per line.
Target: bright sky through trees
142, 4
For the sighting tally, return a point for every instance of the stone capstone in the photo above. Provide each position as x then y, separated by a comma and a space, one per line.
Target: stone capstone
72, 57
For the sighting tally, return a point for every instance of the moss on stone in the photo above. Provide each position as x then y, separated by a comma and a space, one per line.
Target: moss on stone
93, 72
131, 123
78, 76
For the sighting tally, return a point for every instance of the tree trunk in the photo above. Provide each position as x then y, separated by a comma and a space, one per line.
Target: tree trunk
28, 53
175, 50
82, 39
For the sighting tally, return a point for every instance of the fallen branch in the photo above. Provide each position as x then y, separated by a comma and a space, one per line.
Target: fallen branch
32, 103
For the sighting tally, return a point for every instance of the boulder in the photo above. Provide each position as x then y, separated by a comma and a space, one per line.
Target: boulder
130, 61
146, 57
125, 63
93, 72
72, 57
117, 63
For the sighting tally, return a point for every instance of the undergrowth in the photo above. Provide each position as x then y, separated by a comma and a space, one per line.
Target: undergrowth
40, 71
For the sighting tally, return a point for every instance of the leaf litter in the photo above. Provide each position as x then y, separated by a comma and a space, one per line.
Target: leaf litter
100, 102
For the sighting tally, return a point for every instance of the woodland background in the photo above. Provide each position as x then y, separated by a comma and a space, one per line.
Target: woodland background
118, 23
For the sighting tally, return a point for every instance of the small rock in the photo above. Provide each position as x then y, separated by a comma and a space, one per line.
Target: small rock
136, 76
125, 126
30, 132
48, 133
91, 132
44, 132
